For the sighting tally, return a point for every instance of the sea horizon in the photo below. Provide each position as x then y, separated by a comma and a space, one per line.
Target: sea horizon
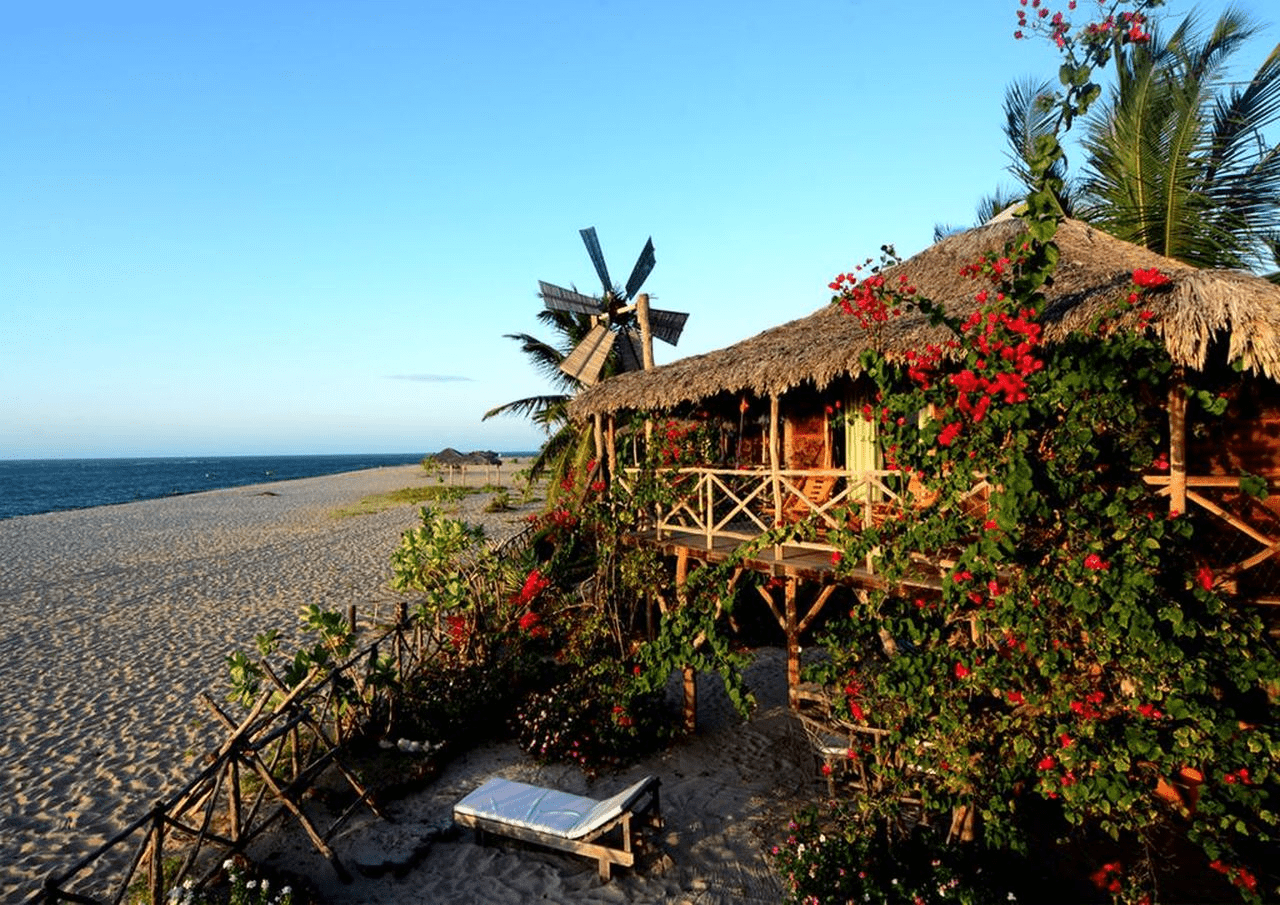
37, 486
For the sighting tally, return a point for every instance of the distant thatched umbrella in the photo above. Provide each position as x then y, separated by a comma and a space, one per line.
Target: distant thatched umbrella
1093, 272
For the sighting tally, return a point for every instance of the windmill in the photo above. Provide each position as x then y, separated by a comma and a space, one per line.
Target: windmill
622, 319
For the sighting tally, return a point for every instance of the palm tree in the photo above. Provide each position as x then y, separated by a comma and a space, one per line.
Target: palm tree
549, 411
1176, 159
1175, 156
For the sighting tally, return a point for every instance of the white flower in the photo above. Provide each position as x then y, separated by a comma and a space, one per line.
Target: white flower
251, 884
188, 883
228, 865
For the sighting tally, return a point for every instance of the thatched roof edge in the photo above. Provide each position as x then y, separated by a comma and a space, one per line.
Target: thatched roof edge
1094, 269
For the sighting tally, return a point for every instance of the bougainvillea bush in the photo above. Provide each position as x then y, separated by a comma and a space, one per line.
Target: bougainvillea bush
536, 643
1077, 674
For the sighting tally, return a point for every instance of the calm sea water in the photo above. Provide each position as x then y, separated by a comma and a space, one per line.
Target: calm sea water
29, 486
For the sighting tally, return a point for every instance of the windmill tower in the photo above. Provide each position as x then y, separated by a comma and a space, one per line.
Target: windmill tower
623, 320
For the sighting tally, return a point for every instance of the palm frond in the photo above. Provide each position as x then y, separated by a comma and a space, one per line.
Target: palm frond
540, 409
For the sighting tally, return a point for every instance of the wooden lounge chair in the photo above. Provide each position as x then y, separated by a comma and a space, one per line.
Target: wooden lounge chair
571, 823
813, 492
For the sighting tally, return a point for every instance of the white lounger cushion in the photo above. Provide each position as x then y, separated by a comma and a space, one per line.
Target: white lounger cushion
545, 810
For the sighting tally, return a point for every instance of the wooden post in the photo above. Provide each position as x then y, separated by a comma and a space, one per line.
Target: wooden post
646, 335
597, 435
157, 855
792, 629
775, 467
690, 674
233, 795
1177, 442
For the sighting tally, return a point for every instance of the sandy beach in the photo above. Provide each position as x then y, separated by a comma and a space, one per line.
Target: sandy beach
727, 793
113, 620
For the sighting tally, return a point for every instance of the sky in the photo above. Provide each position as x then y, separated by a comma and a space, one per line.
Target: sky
305, 227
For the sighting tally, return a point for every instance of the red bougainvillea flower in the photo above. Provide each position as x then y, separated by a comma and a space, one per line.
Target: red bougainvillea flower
949, 433
1016, 698
836, 556
1048, 762
1107, 877
1150, 711
534, 584
456, 626
1096, 563
1149, 278
961, 671
529, 621
1204, 578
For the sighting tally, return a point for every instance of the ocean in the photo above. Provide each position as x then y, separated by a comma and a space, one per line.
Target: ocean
31, 486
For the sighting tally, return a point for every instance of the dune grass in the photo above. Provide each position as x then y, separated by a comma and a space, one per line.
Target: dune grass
436, 493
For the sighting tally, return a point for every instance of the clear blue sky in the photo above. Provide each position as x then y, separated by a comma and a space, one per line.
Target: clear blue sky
297, 227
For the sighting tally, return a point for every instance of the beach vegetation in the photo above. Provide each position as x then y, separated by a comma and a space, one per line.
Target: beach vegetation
500, 502
240, 887
408, 496
1077, 701
523, 637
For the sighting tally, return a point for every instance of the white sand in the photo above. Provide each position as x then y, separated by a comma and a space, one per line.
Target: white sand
113, 619
727, 793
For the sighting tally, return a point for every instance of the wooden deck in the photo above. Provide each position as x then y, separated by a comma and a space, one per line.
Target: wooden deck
799, 561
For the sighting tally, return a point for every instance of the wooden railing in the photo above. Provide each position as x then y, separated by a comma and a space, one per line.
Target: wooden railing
289, 737
1254, 524
742, 504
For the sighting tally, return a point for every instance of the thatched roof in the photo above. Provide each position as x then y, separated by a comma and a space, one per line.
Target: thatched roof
1093, 271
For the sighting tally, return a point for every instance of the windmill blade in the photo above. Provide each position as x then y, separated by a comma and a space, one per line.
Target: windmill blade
558, 299
588, 357
640, 273
597, 256
667, 325
630, 352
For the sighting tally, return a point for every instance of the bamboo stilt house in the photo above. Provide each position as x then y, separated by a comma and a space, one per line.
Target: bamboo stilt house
780, 450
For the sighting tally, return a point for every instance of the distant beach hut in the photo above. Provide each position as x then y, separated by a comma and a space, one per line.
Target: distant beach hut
458, 464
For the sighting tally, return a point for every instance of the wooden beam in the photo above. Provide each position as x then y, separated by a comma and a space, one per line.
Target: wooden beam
690, 675
1240, 525
1177, 442
792, 630
821, 601
646, 334
773, 607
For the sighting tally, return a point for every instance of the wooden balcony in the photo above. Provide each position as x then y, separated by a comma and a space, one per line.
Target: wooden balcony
716, 510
